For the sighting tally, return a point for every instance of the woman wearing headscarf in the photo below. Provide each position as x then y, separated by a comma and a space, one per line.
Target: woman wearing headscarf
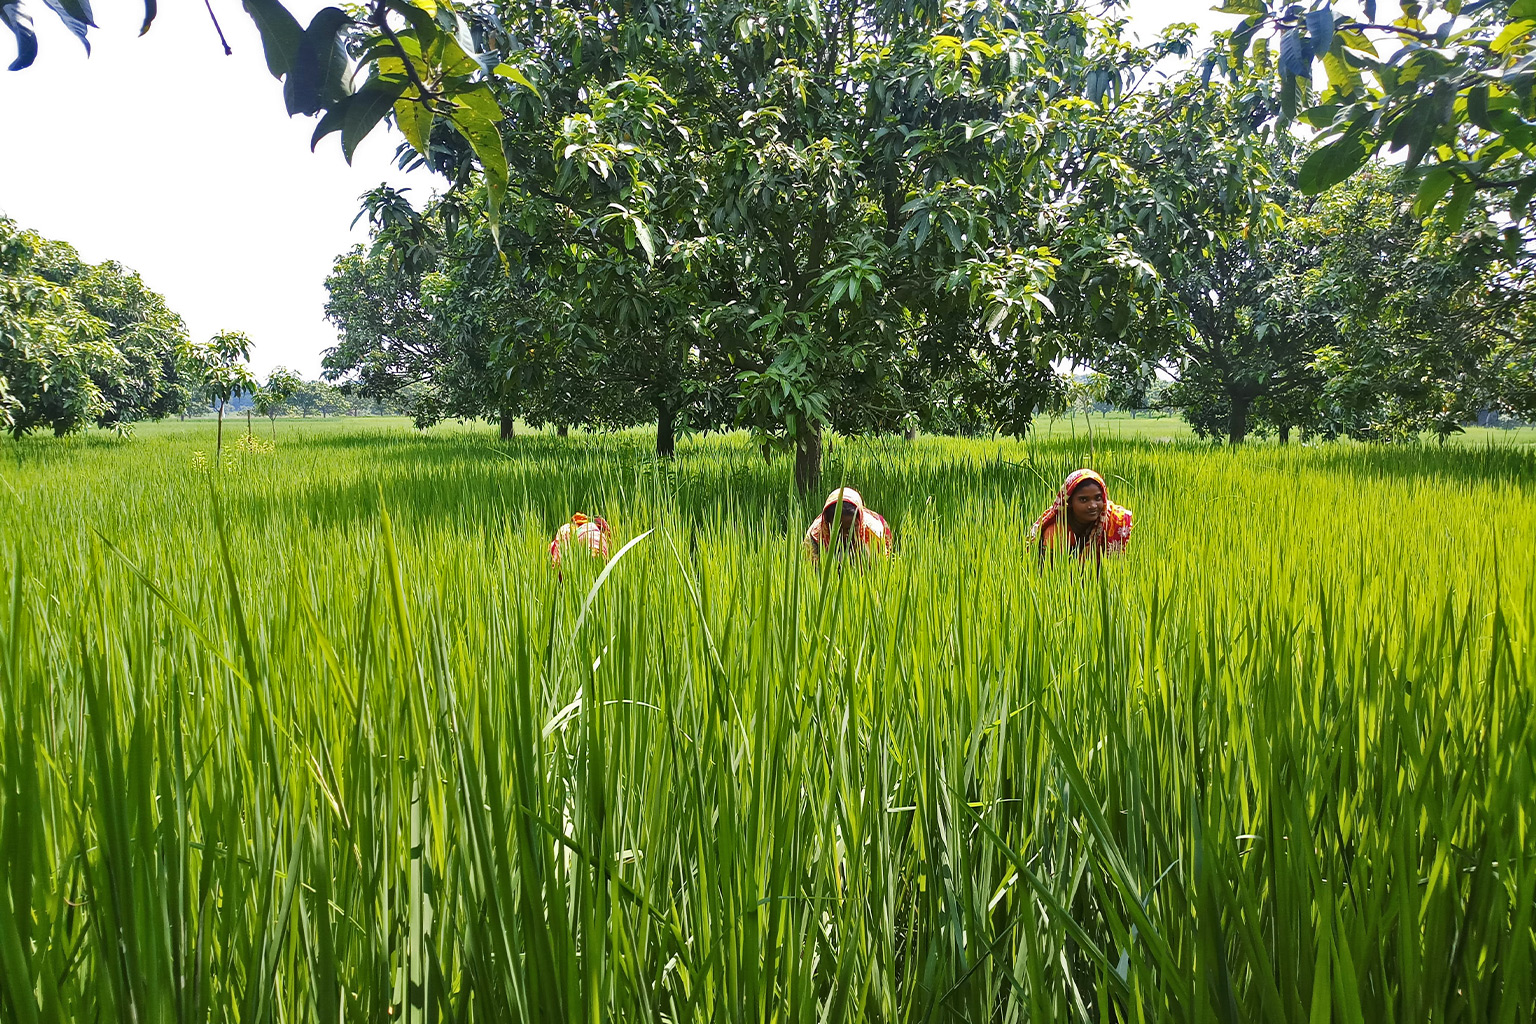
1083, 519
582, 533
845, 525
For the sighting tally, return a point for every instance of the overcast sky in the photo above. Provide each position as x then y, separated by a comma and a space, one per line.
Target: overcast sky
164, 154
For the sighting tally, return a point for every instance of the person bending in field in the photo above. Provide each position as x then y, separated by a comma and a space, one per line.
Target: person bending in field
845, 526
1082, 519
582, 533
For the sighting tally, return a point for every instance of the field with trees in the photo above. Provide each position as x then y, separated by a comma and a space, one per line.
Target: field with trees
330, 740
299, 723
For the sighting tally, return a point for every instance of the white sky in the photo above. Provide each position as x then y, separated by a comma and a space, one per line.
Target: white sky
164, 154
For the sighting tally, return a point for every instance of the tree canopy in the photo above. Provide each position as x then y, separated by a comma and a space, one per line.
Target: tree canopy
788, 215
83, 344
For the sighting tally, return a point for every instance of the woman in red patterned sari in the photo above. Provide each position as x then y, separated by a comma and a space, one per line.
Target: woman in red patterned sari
583, 532
846, 526
1083, 519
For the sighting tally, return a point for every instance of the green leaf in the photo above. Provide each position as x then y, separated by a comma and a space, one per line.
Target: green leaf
280, 34
643, 236
74, 18
1477, 107
1343, 79
20, 25
1332, 163
1295, 55
331, 122
1254, 7
1289, 97
1456, 209
508, 71
1320, 28
1431, 190
318, 75
1513, 33
366, 109
485, 139
415, 121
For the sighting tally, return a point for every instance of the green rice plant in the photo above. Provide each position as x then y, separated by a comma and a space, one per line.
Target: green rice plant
327, 739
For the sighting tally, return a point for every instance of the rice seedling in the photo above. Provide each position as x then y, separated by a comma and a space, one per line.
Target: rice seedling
322, 737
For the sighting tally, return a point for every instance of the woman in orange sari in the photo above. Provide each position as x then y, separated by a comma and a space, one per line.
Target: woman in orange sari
1083, 519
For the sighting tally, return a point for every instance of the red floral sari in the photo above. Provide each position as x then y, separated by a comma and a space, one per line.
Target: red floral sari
1052, 531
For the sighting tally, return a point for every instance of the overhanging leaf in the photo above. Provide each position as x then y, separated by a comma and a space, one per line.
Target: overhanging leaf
76, 19
485, 139
1332, 163
508, 71
318, 75
20, 25
415, 121
1431, 190
280, 34
1295, 55
643, 236
366, 109
1320, 28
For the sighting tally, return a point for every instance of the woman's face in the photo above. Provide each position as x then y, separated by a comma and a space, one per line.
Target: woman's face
843, 516
1086, 505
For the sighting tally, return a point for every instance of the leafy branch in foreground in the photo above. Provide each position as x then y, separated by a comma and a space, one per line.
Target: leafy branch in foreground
1449, 82
423, 61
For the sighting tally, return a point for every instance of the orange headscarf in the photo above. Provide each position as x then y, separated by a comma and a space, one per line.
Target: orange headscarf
1111, 534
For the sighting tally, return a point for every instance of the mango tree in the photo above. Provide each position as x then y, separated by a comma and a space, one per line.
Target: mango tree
224, 374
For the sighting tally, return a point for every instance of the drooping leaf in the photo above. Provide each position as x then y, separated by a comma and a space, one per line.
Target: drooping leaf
643, 236
1320, 28
280, 33
1431, 190
1332, 163
1290, 88
485, 139
1477, 107
70, 14
366, 108
1461, 202
1295, 55
330, 123
318, 75
508, 71
20, 24
415, 121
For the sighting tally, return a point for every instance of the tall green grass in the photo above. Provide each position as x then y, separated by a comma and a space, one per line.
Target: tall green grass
321, 737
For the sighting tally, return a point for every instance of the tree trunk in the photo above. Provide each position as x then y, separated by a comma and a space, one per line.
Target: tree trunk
507, 430
218, 444
563, 430
1285, 433
666, 431
911, 434
1237, 423
808, 461
247, 419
